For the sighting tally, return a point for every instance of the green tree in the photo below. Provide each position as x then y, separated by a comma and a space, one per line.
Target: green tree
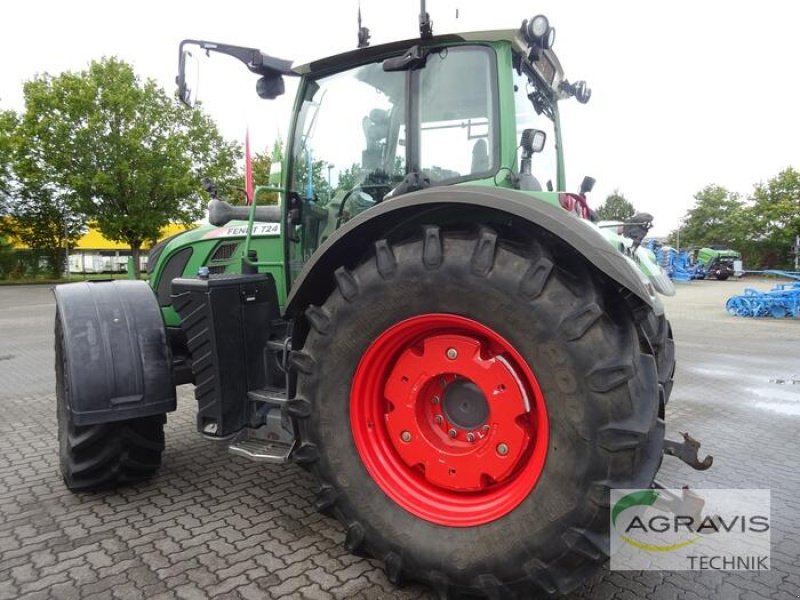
8, 124
776, 214
127, 155
43, 221
7, 258
35, 211
262, 165
349, 178
717, 218
616, 208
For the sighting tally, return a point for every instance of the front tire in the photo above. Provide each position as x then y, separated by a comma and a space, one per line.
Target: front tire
94, 457
552, 337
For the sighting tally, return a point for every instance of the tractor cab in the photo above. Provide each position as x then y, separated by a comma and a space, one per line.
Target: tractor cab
379, 122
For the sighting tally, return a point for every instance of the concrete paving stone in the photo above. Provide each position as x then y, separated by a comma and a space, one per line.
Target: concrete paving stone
129, 591
8, 591
214, 526
228, 585
289, 587
190, 591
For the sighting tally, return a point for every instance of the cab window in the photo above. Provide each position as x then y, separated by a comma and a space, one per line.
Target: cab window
458, 138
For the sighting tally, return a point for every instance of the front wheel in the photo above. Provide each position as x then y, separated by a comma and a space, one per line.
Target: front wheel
94, 457
470, 403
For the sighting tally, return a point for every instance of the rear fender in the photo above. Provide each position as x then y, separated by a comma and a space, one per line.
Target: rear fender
115, 350
349, 244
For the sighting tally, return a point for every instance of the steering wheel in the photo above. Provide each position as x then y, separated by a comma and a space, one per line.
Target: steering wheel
364, 187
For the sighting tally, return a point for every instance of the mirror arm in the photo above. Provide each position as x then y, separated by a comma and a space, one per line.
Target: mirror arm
255, 60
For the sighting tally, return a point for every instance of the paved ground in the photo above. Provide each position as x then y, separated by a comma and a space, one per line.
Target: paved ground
212, 525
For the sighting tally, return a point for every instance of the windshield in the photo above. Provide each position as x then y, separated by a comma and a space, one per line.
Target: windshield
347, 136
358, 134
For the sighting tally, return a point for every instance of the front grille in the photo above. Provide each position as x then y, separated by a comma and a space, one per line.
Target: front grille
224, 251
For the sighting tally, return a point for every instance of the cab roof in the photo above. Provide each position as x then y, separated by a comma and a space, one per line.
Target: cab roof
547, 61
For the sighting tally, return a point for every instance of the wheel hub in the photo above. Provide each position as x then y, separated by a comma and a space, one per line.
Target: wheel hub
465, 405
449, 420
437, 393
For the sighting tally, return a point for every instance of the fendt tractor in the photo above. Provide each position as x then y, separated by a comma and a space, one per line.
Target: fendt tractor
463, 360
717, 262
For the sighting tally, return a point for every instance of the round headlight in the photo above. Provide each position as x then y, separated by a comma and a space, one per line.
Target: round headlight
538, 26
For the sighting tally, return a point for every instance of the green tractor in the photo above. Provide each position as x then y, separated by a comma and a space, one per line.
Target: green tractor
463, 360
717, 262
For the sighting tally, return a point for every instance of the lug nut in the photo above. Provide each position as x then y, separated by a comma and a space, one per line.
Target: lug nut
435, 399
452, 433
470, 437
405, 436
438, 419
452, 353
502, 449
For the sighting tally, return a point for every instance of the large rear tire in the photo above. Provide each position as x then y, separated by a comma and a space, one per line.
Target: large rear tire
100, 456
452, 335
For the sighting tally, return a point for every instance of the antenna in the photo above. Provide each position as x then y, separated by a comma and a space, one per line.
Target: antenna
363, 32
425, 23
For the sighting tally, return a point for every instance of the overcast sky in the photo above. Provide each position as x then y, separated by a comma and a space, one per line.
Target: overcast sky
684, 93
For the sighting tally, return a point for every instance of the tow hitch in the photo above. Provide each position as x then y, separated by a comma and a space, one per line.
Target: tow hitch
687, 452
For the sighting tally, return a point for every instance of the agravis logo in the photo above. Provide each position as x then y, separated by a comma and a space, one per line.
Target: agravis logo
637, 525
690, 529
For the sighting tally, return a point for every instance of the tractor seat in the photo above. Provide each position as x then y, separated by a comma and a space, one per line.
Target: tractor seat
480, 157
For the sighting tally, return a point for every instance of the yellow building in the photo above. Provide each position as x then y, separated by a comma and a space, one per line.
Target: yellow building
93, 253
93, 240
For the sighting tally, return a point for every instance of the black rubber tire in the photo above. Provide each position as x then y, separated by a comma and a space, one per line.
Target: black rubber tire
599, 380
722, 276
656, 332
94, 457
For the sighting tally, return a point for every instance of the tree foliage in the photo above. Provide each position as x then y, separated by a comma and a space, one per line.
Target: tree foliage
43, 221
763, 227
710, 221
776, 208
616, 208
34, 211
126, 155
262, 166
8, 124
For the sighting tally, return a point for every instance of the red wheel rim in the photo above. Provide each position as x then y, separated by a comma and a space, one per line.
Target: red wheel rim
449, 420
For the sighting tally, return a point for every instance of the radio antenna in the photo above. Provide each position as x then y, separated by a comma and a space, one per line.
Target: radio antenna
363, 32
425, 23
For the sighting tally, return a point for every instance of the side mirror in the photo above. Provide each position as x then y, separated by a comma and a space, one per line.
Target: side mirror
587, 185
188, 78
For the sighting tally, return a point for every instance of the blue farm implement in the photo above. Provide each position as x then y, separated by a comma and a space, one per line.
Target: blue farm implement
780, 302
677, 265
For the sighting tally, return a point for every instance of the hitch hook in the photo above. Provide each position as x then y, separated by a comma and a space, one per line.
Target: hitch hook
687, 452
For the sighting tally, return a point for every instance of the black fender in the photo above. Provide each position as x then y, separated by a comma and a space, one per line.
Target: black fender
352, 241
115, 351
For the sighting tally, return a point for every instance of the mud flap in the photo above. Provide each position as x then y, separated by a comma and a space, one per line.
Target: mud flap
117, 362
